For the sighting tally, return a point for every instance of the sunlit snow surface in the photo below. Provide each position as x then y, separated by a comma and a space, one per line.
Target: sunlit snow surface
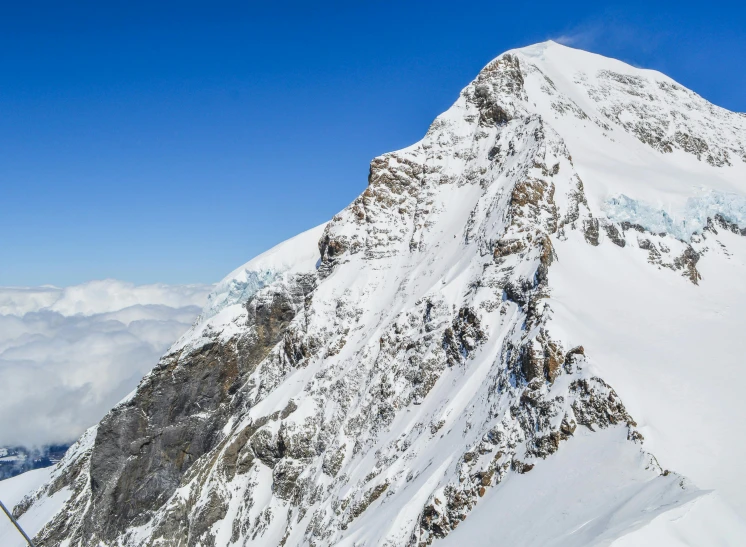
597, 491
672, 350
11, 492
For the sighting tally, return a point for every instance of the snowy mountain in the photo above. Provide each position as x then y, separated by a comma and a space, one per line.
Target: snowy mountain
526, 331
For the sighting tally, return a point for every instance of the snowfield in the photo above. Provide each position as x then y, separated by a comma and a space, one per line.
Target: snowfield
671, 349
602, 496
526, 331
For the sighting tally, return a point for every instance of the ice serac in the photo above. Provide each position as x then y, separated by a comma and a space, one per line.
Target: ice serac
497, 328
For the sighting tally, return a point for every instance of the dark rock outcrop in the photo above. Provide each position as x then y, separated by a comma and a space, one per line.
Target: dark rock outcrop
145, 446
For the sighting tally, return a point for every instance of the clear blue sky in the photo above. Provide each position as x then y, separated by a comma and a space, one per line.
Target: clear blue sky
171, 142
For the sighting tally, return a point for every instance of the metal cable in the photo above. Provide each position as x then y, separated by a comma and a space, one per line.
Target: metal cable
15, 523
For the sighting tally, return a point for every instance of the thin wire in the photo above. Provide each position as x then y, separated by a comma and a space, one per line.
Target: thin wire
18, 526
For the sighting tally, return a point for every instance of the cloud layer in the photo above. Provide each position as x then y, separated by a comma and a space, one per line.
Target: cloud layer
68, 355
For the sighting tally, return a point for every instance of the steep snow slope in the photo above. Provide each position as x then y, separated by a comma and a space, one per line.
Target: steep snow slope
454, 348
672, 350
635, 132
12, 491
600, 493
37, 496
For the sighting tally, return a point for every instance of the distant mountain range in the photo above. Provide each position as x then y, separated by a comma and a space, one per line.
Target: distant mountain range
17, 460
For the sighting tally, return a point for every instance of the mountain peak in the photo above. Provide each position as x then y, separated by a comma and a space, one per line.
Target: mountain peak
506, 323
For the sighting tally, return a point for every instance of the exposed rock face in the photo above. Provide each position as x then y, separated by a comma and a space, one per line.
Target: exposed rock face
462, 338
657, 120
145, 446
412, 367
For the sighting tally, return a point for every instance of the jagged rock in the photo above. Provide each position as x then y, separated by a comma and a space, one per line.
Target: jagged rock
168, 409
688, 262
462, 337
542, 359
521, 467
598, 404
509, 247
369, 497
333, 461
207, 514
590, 230
614, 235
721, 221
267, 447
578, 350
144, 447
284, 478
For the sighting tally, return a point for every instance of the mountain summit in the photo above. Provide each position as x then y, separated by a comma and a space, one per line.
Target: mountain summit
526, 331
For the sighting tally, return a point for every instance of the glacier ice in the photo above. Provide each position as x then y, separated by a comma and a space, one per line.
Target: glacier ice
684, 224
238, 290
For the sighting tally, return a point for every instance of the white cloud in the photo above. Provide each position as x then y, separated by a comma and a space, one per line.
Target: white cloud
98, 297
68, 355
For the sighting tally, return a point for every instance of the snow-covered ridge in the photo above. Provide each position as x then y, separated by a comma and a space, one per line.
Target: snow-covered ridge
669, 135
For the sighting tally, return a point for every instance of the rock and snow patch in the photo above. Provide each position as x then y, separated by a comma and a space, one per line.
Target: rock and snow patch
599, 487
225, 303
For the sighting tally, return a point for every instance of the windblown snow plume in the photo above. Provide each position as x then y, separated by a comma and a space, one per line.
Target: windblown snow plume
488, 346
